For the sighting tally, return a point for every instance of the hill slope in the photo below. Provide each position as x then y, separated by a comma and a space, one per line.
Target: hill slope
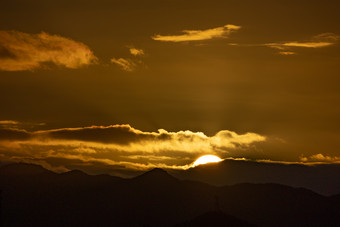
154, 198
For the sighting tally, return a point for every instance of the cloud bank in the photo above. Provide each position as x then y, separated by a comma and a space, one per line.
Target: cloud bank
196, 35
23, 51
118, 146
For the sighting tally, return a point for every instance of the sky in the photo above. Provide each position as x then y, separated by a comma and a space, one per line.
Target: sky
114, 86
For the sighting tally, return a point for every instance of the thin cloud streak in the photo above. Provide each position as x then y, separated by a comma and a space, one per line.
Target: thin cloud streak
287, 53
126, 64
283, 46
318, 41
197, 35
9, 122
21, 51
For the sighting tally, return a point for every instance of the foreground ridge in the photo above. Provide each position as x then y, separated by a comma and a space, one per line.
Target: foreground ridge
154, 198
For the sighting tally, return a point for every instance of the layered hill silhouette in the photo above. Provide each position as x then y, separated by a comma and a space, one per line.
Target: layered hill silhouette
34, 196
323, 179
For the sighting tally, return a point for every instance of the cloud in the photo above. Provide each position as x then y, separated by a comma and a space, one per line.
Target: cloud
23, 51
318, 41
14, 134
135, 51
125, 135
287, 53
9, 122
196, 35
113, 134
129, 64
120, 146
283, 46
320, 158
126, 64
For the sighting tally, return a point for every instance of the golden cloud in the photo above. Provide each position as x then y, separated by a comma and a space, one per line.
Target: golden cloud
318, 41
196, 35
9, 122
287, 53
119, 145
23, 51
320, 158
136, 52
126, 64
283, 46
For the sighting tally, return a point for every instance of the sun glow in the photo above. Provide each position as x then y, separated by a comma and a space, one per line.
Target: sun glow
206, 159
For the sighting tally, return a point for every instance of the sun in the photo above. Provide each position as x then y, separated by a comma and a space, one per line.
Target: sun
206, 159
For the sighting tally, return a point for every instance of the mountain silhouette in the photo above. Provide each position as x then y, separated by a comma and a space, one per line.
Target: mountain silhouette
323, 179
156, 175
215, 219
22, 169
40, 197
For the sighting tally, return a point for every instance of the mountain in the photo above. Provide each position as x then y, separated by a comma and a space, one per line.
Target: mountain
323, 179
155, 198
23, 169
215, 219
156, 175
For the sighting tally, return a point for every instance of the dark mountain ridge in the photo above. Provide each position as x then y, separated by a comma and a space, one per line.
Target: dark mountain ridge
155, 198
321, 178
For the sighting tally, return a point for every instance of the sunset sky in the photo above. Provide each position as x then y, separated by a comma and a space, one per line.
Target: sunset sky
109, 86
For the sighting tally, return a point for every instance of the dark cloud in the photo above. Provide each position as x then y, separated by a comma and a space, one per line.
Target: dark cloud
14, 134
6, 53
117, 134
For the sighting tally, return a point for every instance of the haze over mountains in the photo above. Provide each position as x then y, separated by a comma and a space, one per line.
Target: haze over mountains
34, 196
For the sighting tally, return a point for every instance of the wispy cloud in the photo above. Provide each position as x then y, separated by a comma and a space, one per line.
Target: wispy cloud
23, 51
318, 41
135, 51
9, 122
287, 53
283, 46
126, 64
130, 64
196, 35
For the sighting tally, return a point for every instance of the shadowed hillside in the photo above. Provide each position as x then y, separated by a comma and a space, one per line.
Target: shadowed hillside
319, 178
215, 219
33, 196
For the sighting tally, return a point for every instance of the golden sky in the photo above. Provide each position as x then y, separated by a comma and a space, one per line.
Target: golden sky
142, 84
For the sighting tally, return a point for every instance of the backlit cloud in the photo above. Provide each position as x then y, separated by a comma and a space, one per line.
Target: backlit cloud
196, 35
119, 145
320, 158
23, 51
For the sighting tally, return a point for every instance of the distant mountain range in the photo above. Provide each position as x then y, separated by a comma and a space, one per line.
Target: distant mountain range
34, 196
322, 178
